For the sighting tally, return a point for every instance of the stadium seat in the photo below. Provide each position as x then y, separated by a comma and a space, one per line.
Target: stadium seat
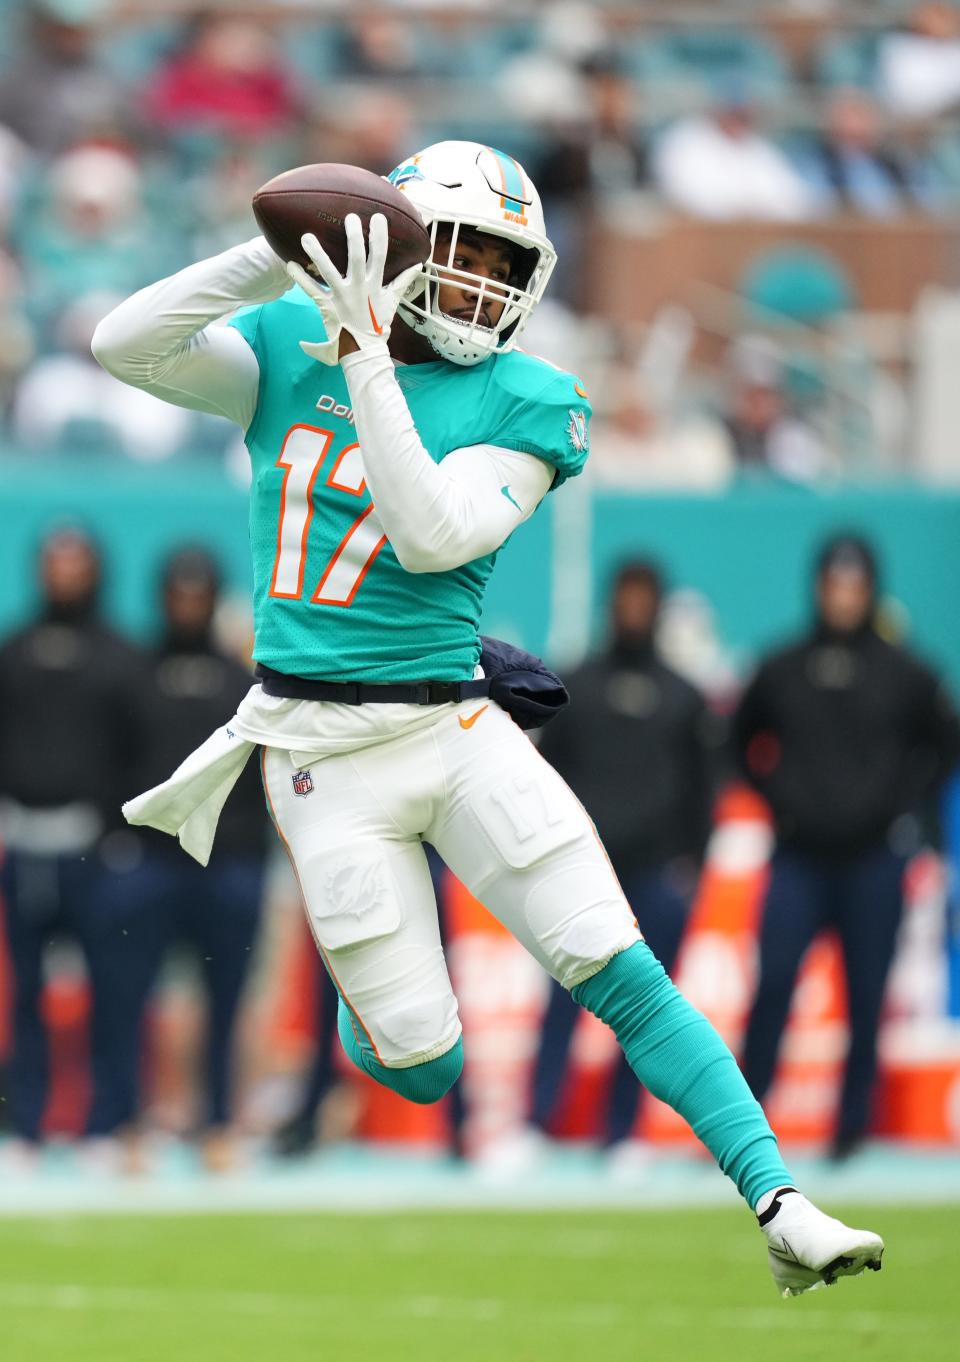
133, 51
686, 65
846, 59
312, 49
797, 282
472, 51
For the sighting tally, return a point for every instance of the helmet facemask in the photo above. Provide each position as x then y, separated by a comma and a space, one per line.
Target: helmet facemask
466, 340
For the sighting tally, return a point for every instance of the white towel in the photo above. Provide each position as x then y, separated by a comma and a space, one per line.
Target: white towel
188, 804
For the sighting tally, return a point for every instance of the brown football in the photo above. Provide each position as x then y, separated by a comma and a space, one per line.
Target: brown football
317, 198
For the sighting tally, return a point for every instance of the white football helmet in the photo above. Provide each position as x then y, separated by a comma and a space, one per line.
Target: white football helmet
468, 185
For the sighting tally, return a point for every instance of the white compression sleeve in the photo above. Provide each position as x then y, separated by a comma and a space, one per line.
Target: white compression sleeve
161, 340
436, 516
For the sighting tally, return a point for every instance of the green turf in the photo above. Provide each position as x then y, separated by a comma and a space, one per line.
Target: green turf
599, 1287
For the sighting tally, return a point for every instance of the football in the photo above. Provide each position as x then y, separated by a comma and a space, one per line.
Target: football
317, 198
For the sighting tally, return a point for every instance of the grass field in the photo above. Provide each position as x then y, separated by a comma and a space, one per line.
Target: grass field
502, 1287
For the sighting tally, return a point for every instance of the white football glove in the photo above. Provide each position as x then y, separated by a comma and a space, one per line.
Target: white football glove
359, 301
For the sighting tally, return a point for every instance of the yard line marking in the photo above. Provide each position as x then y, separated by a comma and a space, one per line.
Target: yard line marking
71, 1296
858, 1320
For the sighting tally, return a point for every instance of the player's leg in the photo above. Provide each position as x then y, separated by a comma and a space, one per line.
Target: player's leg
795, 908
516, 835
298, 1133
661, 899
125, 920
868, 915
30, 887
222, 914
556, 1034
370, 906
519, 839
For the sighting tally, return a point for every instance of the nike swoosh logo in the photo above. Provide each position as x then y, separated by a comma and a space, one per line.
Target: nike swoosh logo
580, 390
373, 317
505, 489
468, 723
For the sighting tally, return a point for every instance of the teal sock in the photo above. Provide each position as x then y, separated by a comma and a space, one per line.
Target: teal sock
680, 1058
421, 1083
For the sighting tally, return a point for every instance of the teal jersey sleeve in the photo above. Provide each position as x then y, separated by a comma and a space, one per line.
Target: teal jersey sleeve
542, 411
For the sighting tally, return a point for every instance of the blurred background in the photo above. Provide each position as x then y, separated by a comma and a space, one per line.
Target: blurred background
757, 211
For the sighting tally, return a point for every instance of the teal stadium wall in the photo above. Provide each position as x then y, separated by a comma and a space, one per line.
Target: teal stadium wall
748, 552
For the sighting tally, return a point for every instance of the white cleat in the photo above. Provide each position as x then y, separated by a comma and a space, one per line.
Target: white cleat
808, 1249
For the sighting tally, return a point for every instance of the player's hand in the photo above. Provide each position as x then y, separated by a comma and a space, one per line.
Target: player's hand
358, 302
328, 351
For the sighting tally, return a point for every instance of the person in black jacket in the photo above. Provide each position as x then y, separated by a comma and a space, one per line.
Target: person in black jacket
69, 739
636, 746
192, 684
845, 735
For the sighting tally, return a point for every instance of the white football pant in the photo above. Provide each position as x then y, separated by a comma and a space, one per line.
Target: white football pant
506, 824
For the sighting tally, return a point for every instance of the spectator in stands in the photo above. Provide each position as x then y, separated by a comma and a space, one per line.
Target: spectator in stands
591, 159
227, 78
850, 167
54, 90
372, 128
66, 400
192, 685
918, 65
720, 166
91, 233
598, 153
379, 47
765, 436
844, 734
69, 704
641, 443
636, 745
544, 82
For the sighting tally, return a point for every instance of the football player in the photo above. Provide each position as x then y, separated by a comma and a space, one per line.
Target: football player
398, 437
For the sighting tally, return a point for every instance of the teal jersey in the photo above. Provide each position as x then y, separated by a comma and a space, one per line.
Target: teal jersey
331, 601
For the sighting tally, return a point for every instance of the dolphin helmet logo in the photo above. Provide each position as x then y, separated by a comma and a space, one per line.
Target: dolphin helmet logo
404, 174
577, 430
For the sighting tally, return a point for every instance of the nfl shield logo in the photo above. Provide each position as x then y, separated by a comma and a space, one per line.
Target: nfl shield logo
302, 783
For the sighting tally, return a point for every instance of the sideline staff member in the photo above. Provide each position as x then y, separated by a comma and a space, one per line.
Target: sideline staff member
69, 736
845, 735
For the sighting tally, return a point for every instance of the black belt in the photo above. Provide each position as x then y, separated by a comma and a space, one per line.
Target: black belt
364, 693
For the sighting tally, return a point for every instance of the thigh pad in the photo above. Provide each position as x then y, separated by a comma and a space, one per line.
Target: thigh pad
527, 814
351, 896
